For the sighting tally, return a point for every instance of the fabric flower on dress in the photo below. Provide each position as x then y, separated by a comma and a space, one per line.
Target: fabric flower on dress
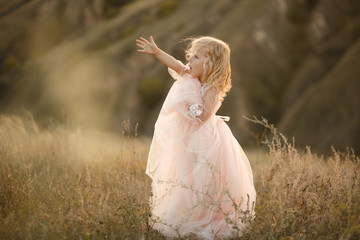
195, 110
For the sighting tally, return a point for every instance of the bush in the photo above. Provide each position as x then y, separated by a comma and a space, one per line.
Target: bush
151, 90
111, 7
168, 7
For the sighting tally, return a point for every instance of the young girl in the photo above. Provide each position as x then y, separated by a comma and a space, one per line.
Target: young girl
202, 180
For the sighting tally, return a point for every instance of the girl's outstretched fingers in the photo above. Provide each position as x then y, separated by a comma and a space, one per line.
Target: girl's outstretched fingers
146, 46
141, 44
152, 40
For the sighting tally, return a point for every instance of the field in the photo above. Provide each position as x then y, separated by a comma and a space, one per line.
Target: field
67, 183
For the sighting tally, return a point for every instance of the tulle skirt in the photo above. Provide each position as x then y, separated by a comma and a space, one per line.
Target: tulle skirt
202, 179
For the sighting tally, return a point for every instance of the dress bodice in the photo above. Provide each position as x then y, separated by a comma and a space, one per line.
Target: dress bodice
198, 101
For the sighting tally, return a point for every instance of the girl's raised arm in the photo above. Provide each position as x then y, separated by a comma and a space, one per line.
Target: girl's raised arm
149, 47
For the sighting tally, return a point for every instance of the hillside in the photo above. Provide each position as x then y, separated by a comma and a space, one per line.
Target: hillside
294, 62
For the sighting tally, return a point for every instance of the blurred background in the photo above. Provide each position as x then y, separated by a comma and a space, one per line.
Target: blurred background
294, 62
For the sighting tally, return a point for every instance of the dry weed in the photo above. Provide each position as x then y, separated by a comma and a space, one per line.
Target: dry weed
74, 184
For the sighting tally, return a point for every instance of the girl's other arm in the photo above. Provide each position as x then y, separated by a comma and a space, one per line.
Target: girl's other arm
209, 102
149, 47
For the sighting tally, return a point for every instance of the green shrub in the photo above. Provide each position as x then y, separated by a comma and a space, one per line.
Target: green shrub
111, 7
11, 65
167, 7
128, 31
151, 90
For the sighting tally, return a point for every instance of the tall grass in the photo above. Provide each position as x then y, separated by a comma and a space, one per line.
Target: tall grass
304, 196
64, 182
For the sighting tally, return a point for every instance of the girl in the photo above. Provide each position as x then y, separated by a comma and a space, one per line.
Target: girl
202, 180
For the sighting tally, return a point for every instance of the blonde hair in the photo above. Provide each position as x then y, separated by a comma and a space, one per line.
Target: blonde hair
217, 70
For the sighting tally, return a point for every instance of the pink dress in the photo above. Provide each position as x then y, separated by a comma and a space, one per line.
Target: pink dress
198, 168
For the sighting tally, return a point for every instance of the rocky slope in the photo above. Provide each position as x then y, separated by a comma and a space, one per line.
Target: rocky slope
294, 62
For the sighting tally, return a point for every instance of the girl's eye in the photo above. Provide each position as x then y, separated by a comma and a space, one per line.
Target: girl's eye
195, 56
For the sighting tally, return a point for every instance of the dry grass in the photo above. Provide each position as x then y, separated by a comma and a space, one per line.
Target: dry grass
303, 196
68, 183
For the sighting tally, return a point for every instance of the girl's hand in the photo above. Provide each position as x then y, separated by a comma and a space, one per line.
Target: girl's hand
149, 47
146, 46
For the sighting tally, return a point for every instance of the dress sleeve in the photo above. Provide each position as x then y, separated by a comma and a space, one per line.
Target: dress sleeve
175, 75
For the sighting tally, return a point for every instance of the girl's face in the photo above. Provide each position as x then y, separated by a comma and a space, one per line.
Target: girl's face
196, 64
